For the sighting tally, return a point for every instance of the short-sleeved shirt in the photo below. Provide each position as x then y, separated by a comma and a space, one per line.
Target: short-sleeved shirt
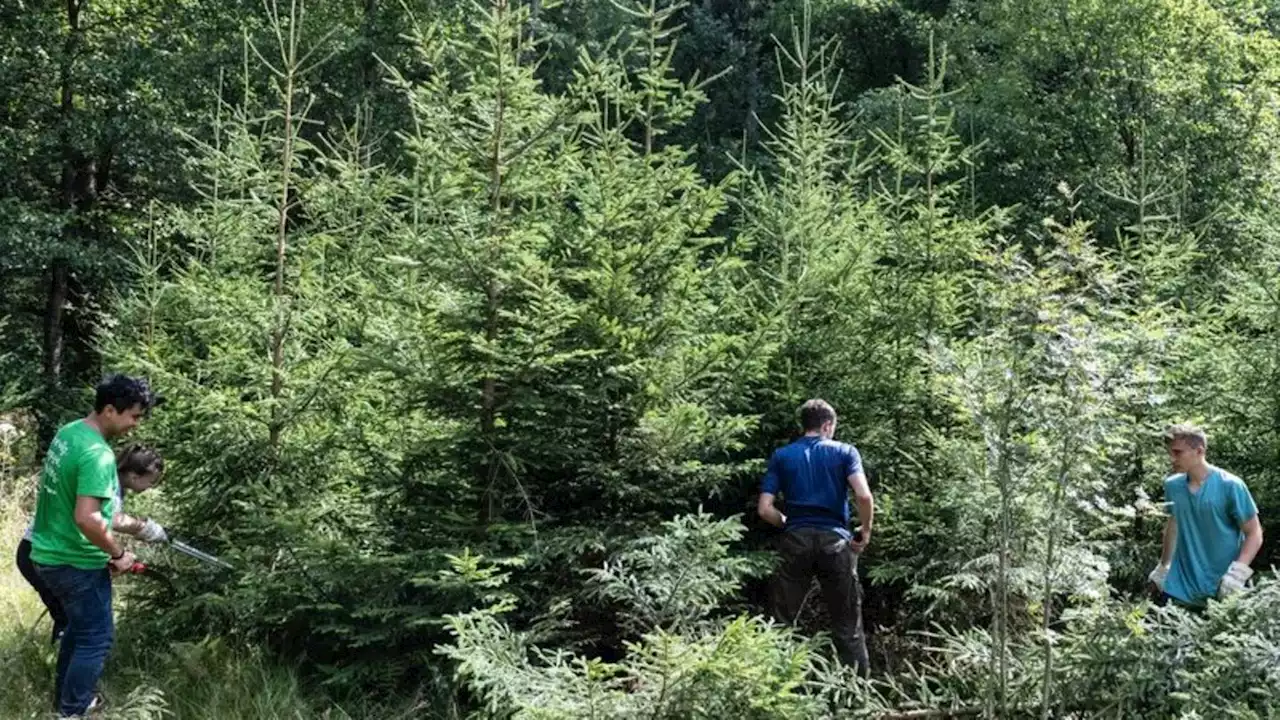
31, 526
79, 462
1209, 534
812, 474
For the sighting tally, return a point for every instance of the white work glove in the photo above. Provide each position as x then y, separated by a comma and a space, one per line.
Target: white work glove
152, 532
1237, 575
1158, 575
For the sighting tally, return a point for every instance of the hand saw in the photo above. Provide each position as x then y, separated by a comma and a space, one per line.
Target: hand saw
200, 555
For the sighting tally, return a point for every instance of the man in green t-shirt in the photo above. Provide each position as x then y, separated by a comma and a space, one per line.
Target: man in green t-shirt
72, 544
139, 468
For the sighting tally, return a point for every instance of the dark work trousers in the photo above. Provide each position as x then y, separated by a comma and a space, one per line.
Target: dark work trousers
809, 552
28, 570
1167, 599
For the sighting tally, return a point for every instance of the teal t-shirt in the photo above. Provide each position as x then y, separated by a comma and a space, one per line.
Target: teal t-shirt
1209, 535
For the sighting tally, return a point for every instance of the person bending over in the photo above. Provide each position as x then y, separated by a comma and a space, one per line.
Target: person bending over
139, 468
74, 547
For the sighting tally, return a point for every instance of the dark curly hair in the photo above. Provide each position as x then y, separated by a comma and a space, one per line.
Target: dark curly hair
123, 392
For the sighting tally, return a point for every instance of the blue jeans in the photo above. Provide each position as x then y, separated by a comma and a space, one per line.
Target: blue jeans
86, 597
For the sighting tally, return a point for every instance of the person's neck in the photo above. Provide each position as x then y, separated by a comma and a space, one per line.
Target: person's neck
1196, 475
95, 422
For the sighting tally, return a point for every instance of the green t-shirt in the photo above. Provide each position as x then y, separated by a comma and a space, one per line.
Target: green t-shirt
79, 462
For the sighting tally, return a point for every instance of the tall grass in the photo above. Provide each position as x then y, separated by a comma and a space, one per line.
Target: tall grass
25, 655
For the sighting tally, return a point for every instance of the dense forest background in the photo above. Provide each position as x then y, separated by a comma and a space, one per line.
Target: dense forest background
477, 320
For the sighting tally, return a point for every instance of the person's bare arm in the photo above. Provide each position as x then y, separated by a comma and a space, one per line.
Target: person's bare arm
1233, 581
767, 512
88, 516
866, 507
1170, 541
127, 524
145, 529
1252, 541
1169, 538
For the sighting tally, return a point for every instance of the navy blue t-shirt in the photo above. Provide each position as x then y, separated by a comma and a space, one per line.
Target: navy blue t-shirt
812, 473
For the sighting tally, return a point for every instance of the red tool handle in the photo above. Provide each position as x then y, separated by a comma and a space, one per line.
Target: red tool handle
136, 569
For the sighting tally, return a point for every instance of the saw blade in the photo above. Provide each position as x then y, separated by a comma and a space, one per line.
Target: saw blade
200, 555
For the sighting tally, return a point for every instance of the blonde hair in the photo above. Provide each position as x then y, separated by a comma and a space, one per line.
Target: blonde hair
1191, 434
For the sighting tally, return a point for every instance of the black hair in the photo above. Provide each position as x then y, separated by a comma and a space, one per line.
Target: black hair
123, 392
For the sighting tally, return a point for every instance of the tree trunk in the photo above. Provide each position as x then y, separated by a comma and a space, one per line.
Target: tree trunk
285, 203
55, 302
74, 177
493, 299
752, 72
489, 411
368, 61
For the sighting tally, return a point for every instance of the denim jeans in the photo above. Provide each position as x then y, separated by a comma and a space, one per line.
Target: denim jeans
810, 552
86, 597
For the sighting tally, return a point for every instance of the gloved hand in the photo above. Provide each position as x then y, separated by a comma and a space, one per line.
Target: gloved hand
152, 532
1237, 575
1158, 575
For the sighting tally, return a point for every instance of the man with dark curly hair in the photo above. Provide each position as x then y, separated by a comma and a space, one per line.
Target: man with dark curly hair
73, 546
139, 468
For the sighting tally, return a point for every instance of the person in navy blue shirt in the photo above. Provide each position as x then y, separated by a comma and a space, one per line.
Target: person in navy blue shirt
814, 475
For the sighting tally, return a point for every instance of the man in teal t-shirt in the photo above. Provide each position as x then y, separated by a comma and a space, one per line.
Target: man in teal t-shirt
1213, 532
